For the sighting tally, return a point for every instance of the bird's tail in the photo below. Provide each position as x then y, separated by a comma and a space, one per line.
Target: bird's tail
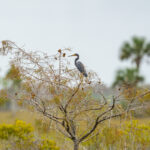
85, 74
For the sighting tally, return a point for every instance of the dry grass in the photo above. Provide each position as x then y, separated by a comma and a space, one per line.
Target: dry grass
11, 117
33, 118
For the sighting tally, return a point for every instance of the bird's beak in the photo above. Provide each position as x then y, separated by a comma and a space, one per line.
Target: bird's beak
72, 55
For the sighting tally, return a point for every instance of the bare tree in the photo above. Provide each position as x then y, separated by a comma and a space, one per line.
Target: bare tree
55, 89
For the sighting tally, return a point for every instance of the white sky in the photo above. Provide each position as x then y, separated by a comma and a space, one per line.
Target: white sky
93, 28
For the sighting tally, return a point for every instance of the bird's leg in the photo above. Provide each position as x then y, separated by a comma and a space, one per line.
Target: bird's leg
81, 77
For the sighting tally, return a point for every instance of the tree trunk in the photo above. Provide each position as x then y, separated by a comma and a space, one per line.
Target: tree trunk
138, 62
76, 145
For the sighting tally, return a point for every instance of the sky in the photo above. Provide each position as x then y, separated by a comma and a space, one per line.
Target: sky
95, 29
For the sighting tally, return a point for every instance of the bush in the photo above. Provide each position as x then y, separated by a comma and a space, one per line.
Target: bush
47, 144
3, 97
20, 136
132, 135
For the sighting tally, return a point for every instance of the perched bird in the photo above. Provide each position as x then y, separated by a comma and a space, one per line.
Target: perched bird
79, 65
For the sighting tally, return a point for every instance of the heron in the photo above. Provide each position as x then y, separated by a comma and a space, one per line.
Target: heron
79, 65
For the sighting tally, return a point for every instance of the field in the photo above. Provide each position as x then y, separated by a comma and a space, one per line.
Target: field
112, 134
42, 126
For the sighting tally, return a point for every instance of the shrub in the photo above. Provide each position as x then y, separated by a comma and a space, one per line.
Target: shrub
47, 144
20, 136
132, 135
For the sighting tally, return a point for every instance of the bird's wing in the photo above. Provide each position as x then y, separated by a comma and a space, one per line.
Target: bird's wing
80, 67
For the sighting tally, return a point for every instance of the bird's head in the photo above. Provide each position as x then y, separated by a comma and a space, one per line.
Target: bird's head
74, 55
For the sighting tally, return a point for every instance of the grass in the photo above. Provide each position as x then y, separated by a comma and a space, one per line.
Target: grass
45, 128
11, 117
40, 124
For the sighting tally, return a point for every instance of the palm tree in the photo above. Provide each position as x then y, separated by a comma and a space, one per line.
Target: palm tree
129, 76
135, 50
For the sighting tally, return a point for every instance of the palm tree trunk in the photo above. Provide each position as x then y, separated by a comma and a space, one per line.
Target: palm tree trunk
138, 62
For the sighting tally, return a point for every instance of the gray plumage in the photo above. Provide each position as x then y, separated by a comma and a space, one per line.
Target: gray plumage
80, 66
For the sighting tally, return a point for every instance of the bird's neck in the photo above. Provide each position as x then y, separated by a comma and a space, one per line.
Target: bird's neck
76, 59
